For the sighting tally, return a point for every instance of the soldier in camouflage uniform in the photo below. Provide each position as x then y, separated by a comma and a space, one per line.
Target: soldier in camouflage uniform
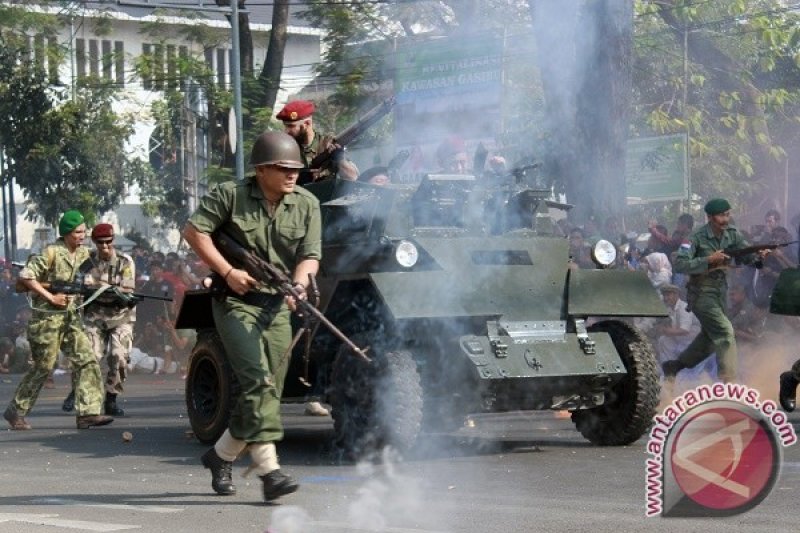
704, 259
56, 325
109, 318
280, 223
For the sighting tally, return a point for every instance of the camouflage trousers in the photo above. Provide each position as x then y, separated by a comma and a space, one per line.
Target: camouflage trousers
47, 334
112, 345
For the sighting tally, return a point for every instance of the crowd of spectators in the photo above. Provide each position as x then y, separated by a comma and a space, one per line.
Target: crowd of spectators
157, 348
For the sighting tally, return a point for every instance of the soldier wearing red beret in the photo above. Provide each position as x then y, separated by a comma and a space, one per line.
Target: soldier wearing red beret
109, 318
297, 118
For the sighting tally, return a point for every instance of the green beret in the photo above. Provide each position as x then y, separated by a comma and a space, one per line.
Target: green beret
71, 220
717, 206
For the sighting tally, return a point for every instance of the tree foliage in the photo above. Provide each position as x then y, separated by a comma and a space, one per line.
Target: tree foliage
63, 152
726, 73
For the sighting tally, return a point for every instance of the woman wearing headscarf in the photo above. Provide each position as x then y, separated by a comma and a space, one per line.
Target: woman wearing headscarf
659, 270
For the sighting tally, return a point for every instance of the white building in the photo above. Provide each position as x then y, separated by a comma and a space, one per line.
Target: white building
103, 39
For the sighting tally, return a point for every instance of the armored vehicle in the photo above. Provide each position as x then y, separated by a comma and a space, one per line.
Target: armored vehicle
465, 305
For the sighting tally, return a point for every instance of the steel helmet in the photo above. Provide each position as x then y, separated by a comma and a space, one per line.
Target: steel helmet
276, 148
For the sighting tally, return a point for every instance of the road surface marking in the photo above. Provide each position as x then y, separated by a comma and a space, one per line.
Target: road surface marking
119, 506
53, 520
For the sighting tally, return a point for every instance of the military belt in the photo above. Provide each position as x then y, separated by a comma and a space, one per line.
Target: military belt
716, 275
260, 299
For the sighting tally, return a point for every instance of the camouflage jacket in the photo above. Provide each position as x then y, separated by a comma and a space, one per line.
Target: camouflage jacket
55, 263
120, 270
319, 144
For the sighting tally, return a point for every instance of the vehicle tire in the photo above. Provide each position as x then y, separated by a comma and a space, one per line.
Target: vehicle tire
211, 389
631, 404
375, 404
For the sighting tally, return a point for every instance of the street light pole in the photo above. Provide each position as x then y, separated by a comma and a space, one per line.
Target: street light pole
236, 78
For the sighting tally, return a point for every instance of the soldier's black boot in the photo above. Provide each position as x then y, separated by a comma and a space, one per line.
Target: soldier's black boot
110, 405
277, 484
221, 480
69, 402
788, 392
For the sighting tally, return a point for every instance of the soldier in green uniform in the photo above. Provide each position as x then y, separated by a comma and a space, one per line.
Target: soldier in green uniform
298, 121
56, 325
280, 223
109, 318
704, 259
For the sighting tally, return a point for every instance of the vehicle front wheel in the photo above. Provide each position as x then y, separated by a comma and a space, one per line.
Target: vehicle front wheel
210, 389
631, 404
375, 404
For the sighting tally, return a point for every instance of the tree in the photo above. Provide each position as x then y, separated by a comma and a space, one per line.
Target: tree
63, 153
734, 84
270, 78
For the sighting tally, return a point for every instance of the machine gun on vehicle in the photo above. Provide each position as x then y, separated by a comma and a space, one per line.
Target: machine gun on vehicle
269, 275
352, 132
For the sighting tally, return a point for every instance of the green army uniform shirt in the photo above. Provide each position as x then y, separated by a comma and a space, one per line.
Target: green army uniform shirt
293, 234
55, 263
692, 257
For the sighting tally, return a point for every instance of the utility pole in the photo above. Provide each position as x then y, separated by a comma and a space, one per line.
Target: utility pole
237, 90
9, 212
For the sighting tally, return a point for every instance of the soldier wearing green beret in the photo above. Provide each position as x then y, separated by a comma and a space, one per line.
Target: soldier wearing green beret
704, 259
280, 223
55, 325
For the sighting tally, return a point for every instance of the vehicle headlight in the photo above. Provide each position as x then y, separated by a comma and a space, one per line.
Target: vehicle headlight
604, 253
406, 254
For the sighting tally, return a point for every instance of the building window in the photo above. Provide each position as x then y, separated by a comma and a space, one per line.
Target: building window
164, 69
80, 57
52, 63
101, 60
119, 62
221, 55
147, 78
94, 58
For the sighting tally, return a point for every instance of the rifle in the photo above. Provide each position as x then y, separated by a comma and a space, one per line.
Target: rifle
89, 291
756, 248
269, 275
354, 131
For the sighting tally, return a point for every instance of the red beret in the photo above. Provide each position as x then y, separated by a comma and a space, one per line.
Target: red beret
103, 231
296, 110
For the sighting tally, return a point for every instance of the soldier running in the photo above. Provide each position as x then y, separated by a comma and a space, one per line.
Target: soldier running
109, 318
705, 260
56, 325
280, 223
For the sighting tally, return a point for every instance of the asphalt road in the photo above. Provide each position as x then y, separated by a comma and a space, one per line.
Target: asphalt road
511, 472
